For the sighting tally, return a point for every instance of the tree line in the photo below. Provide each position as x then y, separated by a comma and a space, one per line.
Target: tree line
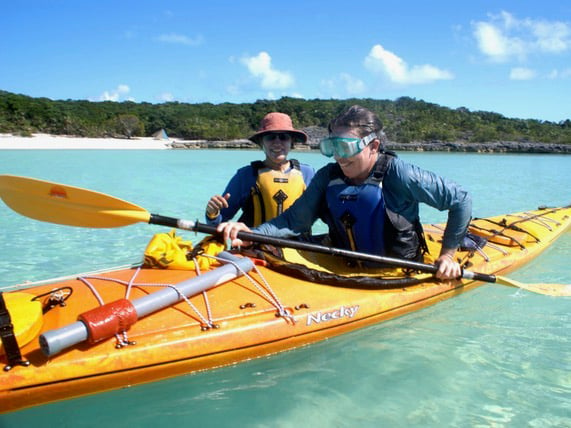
405, 119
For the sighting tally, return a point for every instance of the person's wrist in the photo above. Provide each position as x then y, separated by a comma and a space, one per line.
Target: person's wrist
212, 214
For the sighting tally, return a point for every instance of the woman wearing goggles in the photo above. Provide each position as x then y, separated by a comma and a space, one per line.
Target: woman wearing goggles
370, 198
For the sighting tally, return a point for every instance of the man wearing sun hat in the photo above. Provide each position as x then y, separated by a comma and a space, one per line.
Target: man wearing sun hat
264, 189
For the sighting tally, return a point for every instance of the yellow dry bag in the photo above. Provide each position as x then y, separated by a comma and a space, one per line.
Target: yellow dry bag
169, 251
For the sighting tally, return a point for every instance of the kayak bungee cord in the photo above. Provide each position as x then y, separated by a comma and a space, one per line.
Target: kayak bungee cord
522, 218
115, 318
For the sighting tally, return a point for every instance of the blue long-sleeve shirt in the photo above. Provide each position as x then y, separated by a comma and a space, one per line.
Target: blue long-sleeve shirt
404, 187
240, 186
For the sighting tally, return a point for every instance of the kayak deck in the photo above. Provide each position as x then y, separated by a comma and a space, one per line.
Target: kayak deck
253, 315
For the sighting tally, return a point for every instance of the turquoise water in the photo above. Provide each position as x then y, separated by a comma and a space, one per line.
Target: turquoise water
493, 357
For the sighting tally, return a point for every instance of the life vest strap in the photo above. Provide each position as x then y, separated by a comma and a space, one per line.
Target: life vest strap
9, 341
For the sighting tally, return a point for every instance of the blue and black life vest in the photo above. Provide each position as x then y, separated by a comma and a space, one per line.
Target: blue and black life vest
357, 216
357, 211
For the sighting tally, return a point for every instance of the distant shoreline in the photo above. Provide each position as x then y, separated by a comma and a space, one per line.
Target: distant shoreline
59, 142
436, 146
491, 147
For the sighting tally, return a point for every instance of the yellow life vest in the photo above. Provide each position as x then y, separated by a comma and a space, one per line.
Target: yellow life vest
275, 191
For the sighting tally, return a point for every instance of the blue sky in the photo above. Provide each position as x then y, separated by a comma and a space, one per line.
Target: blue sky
511, 57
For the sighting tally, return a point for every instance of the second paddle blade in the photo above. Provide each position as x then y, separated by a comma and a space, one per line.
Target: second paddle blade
67, 205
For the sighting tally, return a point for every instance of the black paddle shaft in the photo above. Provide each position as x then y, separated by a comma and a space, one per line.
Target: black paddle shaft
307, 246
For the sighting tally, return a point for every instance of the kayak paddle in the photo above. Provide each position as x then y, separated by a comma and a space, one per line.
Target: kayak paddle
74, 206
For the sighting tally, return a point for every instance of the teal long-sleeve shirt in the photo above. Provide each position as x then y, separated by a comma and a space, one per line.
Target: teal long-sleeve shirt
405, 186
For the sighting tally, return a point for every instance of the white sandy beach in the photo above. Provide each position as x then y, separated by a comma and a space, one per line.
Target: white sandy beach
53, 142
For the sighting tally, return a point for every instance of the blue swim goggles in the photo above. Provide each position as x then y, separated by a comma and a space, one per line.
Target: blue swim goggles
345, 147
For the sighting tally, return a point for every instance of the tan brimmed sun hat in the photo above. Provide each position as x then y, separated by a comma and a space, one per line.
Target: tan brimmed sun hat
278, 122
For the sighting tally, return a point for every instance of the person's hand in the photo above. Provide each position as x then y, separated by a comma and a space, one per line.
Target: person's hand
230, 231
448, 268
215, 204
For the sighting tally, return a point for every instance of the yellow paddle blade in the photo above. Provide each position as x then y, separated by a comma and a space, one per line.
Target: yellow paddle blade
541, 288
68, 205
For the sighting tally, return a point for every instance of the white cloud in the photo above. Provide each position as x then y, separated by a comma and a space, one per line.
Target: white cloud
166, 97
181, 39
353, 86
106, 96
345, 83
560, 74
520, 73
504, 37
260, 66
115, 94
397, 70
493, 43
552, 36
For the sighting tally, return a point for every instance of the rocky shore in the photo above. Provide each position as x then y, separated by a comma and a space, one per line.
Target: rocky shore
491, 147
316, 133
432, 146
